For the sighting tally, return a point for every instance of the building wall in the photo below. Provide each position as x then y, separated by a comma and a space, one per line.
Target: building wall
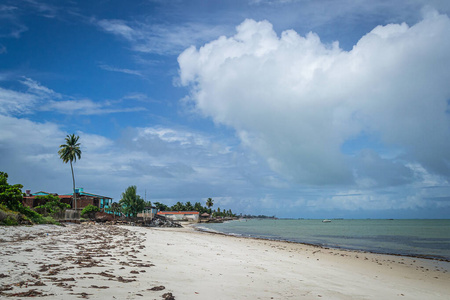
182, 217
32, 201
145, 215
148, 213
84, 201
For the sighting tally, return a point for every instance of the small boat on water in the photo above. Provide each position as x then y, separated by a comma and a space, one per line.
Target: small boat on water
326, 221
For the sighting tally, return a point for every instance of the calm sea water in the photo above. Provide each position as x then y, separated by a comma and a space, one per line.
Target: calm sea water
423, 238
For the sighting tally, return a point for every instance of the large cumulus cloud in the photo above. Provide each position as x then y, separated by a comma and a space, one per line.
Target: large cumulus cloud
298, 101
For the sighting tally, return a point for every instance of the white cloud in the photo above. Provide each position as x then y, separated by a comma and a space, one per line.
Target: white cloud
171, 164
296, 101
38, 89
12, 102
120, 28
85, 107
160, 38
120, 70
41, 98
173, 136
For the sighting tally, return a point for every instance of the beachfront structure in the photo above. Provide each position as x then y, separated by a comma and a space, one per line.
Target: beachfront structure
205, 216
192, 216
148, 213
83, 199
31, 200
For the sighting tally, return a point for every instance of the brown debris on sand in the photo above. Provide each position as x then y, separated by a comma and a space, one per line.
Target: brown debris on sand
99, 287
58, 257
82, 295
168, 296
30, 293
157, 288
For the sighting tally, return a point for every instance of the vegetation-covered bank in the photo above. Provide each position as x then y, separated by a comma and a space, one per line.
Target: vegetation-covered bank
13, 212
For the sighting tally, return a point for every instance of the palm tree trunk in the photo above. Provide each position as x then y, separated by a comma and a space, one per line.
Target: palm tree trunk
74, 194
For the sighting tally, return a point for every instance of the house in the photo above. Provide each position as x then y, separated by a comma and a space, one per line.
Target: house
83, 199
32, 200
192, 216
149, 213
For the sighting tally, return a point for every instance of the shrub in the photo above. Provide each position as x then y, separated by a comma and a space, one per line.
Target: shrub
11, 199
53, 205
50, 220
8, 217
10, 221
89, 211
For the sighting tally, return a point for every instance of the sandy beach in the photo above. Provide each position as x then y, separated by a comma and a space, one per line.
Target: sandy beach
124, 262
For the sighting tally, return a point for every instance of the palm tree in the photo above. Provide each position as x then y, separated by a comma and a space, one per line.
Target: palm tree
188, 206
69, 152
209, 202
115, 208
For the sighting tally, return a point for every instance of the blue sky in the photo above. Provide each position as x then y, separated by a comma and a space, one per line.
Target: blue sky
304, 109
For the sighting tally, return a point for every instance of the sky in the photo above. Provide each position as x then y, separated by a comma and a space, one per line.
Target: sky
292, 108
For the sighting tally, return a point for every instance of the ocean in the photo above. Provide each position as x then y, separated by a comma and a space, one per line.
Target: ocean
418, 238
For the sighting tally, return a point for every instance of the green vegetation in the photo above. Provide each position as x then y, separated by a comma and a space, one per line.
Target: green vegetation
131, 203
12, 211
209, 202
161, 206
8, 217
179, 206
115, 209
257, 217
89, 211
69, 152
52, 206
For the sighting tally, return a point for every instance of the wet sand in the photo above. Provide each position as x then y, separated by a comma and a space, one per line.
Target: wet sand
124, 262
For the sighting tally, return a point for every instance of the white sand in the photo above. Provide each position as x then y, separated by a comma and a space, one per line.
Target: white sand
98, 260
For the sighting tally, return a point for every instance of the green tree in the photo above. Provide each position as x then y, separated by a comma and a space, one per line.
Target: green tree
209, 202
11, 198
188, 206
198, 207
69, 152
115, 208
52, 205
131, 203
161, 206
178, 206
10, 195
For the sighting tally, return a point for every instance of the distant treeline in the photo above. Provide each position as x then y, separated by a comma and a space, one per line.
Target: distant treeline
257, 217
179, 206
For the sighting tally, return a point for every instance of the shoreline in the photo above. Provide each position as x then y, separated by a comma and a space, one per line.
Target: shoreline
127, 262
426, 257
390, 248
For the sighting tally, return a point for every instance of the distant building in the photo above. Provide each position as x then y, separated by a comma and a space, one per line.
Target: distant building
83, 199
205, 216
148, 213
192, 216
